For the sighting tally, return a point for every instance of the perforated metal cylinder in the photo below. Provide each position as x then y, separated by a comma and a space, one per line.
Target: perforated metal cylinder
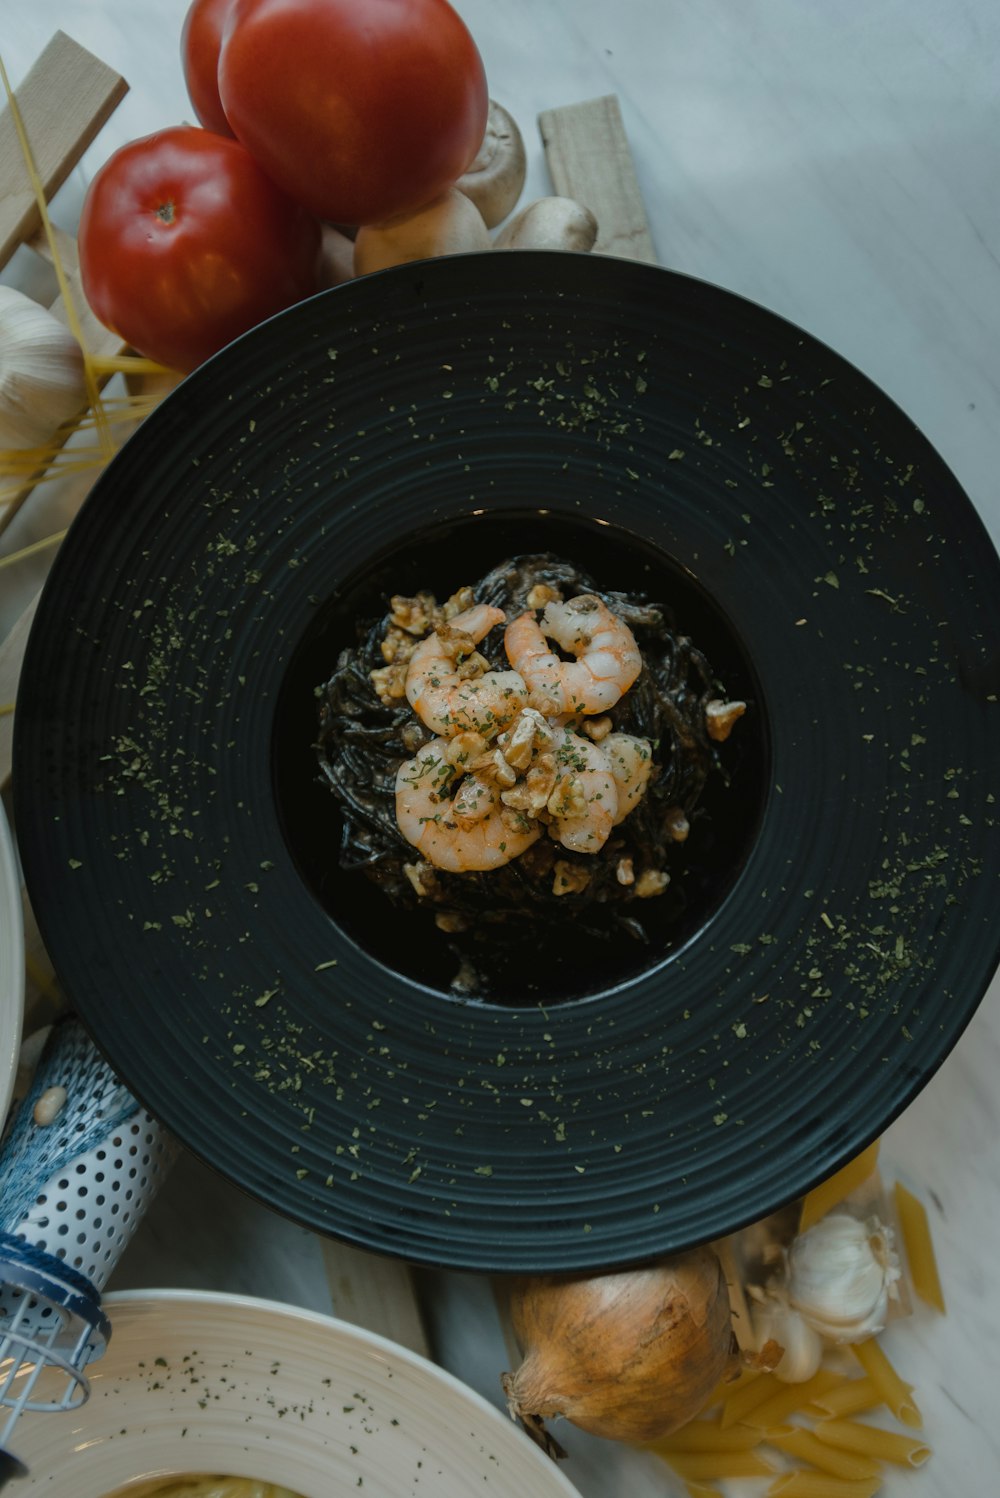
87, 1212
77, 1186
79, 1163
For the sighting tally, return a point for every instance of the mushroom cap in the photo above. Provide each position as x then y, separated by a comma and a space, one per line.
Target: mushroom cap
495, 179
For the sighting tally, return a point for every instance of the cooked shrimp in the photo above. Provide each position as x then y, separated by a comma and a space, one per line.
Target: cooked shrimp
449, 697
584, 804
606, 657
461, 833
630, 760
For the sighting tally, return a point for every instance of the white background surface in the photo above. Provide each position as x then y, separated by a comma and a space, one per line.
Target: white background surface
838, 162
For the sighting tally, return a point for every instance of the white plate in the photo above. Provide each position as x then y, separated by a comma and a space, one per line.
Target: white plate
11, 965
196, 1382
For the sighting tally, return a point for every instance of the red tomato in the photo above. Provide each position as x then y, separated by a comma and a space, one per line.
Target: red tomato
201, 37
184, 244
359, 109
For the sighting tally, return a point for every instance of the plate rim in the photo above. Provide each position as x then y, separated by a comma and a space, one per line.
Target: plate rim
970, 518
152, 1309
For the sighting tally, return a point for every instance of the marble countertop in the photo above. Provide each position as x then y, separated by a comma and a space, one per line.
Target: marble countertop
839, 164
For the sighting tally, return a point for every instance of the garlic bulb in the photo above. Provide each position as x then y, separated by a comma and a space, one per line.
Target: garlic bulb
42, 380
842, 1273
774, 1320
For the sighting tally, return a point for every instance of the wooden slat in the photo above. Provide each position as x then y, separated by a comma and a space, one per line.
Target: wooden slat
65, 245
64, 101
96, 338
376, 1293
589, 160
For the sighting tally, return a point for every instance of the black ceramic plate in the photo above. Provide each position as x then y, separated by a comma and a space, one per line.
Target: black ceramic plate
414, 427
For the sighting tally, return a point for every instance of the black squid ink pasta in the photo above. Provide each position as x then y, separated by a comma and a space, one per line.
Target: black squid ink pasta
368, 730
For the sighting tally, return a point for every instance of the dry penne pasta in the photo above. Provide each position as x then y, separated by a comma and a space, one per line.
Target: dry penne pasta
699, 1490
728, 1386
788, 1399
803, 1446
915, 1228
713, 1466
709, 1435
872, 1440
897, 1396
851, 1397
828, 1193
819, 1485
748, 1395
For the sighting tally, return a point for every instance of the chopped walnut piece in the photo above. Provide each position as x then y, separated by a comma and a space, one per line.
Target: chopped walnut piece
422, 877
676, 824
569, 799
720, 717
541, 594
413, 615
471, 667
505, 773
414, 735
455, 643
517, 741
651, 882
597, 728
397, 645
389, 682
459, 601
450, 921
544, 734
568, 878
532, 791
465, 749
514, 819
472, 802
541, 780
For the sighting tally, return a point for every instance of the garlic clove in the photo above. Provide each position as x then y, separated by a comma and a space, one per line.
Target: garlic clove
774, 1320
842, 1274
42, 378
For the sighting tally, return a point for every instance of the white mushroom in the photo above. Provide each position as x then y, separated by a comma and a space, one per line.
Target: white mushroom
450, 225
549, 224
495, 180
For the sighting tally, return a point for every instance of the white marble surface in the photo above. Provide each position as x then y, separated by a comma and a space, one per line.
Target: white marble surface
839, 163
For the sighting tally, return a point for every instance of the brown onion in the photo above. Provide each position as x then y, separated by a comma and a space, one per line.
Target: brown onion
630, 1355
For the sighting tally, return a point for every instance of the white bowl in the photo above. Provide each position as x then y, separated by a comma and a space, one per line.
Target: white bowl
195, 1382
11, 965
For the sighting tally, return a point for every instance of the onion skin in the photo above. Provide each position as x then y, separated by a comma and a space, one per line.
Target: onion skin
630, 1355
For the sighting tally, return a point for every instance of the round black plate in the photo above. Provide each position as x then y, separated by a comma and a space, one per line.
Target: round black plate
283, 486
